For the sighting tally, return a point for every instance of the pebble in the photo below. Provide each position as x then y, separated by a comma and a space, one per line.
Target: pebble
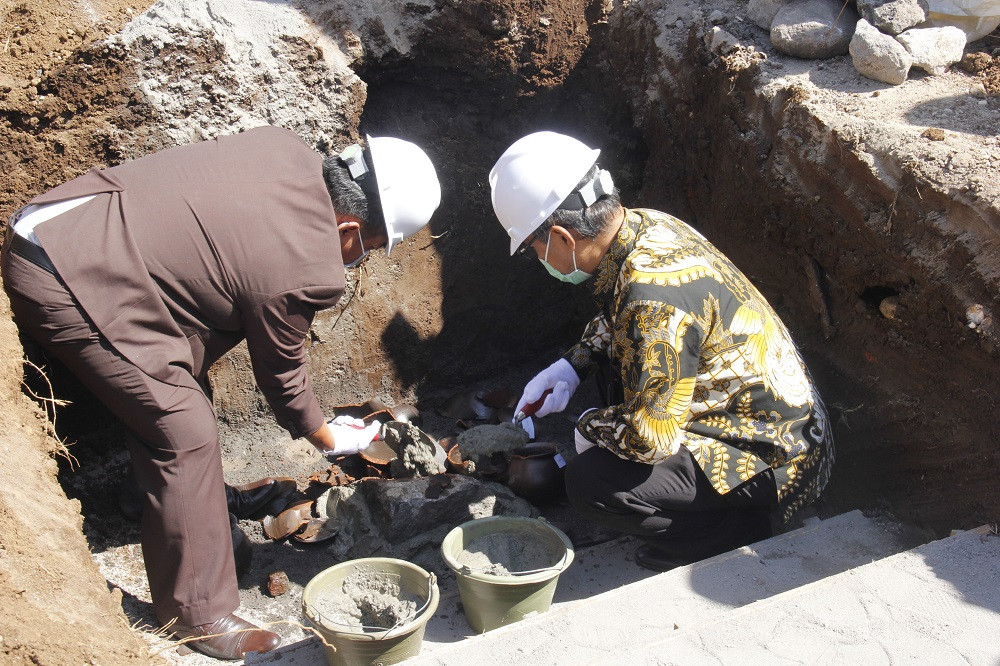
878, 55
978, 90
813, 29
893, 16
934, 50
277, 583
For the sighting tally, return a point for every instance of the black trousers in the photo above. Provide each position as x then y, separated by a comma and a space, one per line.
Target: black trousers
671, 505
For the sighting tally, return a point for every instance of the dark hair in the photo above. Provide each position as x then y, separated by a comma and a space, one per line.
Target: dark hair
348, 197
592, 220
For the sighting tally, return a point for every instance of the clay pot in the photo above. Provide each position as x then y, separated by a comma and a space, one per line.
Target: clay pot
456, 464
534, 474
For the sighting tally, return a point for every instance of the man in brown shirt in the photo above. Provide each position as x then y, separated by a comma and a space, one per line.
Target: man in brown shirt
140, 276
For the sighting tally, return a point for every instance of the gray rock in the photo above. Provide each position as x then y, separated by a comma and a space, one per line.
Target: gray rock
721, 41
934, 49
893, 16
762, 12
878, 55
813, 28
376, 517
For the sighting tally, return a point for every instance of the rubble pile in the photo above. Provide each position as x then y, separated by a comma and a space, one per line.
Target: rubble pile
885, 38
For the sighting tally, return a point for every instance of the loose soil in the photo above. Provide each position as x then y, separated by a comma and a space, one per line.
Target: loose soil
485, 440
368, 601
502, 554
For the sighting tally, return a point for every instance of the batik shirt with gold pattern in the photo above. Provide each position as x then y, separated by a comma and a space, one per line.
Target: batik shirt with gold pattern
705, 364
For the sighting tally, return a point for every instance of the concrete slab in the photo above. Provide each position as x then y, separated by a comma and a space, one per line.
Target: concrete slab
594, 609
936, 604
588, 625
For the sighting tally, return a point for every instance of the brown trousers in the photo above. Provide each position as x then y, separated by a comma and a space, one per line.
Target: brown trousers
186, 538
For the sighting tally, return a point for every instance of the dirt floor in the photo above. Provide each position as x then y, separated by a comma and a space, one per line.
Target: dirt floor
881, 318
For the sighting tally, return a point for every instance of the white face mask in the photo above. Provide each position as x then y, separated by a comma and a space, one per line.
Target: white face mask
575, 277
364, 253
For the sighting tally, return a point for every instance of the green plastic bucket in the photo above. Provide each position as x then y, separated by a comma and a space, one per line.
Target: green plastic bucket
492, 600
371, 645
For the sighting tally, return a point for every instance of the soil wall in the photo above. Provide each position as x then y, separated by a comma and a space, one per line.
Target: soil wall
871, 239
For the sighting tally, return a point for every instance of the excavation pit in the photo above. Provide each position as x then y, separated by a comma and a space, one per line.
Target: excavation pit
820, 185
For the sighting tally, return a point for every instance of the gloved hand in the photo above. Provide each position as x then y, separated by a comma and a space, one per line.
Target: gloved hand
582, 443
351, 435
561, 378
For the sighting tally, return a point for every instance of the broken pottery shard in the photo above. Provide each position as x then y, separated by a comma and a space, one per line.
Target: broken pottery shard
762, 12
934, 50
277, 583
288, 521
894, 16
813, 28
316, 530
488, 439
878, 55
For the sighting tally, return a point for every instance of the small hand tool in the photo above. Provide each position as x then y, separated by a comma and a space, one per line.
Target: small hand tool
530, 408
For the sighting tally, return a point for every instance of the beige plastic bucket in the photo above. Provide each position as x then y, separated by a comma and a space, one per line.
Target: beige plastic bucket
372, 645
491, 601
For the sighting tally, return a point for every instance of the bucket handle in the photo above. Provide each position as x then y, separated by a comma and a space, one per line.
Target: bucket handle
466, 570
316, 617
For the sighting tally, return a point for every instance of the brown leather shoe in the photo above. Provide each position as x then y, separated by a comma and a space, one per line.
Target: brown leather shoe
239, 637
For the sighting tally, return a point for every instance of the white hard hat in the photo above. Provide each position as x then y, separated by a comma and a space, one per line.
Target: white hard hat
533, 177
408, 186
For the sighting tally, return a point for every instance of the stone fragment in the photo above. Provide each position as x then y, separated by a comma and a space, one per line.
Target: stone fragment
813, 28
277, 583
893, 16
934, 50
878, 55
721, 41
762, 12
397, 518
978, 90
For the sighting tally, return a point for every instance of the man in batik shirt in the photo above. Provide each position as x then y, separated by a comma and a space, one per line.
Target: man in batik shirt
713, 430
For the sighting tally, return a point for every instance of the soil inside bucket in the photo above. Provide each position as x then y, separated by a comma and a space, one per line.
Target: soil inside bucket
505, 554
368, 601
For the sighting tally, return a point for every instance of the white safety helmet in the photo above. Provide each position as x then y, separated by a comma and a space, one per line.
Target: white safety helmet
408, 187
535, 176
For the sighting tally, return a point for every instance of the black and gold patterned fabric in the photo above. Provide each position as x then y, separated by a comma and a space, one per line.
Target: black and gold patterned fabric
704, 362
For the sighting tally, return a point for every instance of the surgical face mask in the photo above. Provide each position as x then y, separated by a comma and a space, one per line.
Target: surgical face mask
364, 253
575, 277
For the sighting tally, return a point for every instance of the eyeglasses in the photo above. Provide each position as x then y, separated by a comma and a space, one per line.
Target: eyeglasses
525, 249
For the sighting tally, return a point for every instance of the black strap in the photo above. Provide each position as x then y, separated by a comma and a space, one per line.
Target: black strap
25, 249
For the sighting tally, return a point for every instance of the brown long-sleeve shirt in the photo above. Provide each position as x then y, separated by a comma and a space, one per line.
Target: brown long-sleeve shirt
188, 251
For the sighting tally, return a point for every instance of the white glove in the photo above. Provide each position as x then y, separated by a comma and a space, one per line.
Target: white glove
351, 435
561, 378
582, 443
